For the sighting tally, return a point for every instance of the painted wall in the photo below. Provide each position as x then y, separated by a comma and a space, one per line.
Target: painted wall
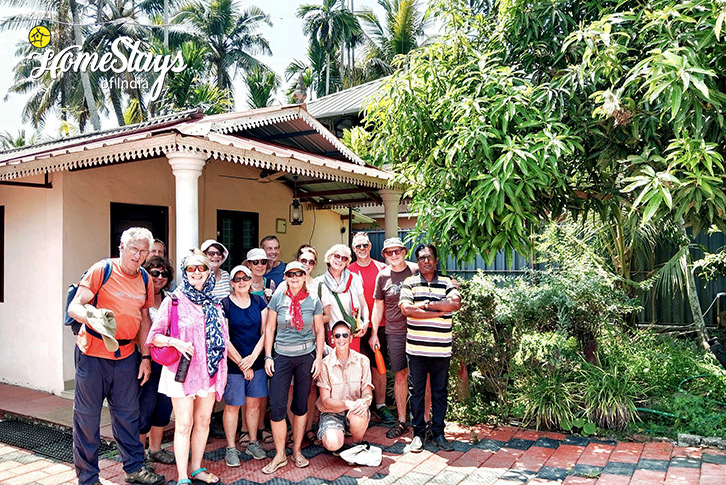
30, 325
53, 236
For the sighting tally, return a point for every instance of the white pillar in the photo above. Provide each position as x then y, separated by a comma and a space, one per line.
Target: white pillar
187, 167
391, 199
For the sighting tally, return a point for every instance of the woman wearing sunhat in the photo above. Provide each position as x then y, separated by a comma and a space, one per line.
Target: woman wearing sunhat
203, 339
294, 341
256, 261
217, 254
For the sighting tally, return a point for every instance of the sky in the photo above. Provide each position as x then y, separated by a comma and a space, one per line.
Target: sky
285, 36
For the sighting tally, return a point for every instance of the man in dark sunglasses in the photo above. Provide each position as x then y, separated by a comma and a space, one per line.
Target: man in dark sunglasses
342, 406
368, 270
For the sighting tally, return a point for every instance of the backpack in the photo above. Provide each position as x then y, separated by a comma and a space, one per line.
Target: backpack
73, 289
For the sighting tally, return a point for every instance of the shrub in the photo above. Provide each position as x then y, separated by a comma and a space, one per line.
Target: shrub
609, 396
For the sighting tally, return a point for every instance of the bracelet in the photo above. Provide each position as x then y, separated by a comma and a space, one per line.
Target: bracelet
269, 357
146, 357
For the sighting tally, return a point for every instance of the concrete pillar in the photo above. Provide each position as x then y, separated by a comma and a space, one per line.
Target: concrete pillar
187, 167
391, 198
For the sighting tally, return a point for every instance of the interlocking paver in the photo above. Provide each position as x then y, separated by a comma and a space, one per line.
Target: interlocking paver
596, 454
643, 477
627, 452
565, 456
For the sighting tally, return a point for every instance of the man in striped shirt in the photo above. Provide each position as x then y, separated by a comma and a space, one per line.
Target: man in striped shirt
427, 300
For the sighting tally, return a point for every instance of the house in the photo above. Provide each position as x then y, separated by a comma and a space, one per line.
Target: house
187, 177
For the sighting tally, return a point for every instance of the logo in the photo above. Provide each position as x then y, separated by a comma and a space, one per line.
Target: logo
39, 36
126, 56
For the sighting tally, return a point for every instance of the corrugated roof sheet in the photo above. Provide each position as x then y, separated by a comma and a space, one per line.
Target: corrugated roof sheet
346, 102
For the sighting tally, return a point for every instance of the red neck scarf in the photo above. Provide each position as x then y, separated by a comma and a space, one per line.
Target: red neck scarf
296, 318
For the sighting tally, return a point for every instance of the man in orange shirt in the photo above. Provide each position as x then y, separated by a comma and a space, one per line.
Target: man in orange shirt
113, 375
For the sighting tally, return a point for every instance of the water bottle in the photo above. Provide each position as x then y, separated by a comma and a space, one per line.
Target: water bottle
181, 371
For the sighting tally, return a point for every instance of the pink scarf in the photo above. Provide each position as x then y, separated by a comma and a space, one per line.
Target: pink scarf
296, 317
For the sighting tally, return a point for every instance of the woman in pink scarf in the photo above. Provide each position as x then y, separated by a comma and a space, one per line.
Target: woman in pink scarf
294, 341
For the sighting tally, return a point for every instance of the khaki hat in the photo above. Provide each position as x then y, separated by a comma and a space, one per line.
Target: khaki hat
392, 242
104, 323
255, 254
211, 242
295, 265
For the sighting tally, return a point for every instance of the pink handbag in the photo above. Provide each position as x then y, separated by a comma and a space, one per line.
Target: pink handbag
168, 355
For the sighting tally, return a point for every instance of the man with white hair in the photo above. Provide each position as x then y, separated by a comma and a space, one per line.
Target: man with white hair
105, 358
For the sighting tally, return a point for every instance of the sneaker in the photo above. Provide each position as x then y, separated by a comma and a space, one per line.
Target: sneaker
416, 445
397, 430
385, 415
231, 457
145, 477
162, 456
255, 451
443, 443
428, 434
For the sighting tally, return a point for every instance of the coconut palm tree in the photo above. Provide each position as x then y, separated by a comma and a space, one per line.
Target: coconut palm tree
261, 86
230, 35
329, 26
403, 28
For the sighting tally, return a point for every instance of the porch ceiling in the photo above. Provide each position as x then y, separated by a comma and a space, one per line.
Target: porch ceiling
286, 143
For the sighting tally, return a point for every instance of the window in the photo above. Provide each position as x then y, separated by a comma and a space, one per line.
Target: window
153, 217
239, 232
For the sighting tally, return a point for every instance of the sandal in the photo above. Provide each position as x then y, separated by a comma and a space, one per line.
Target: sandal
266, 437
312, 437
272, 467
184, 481
244, 438
211, 477
301, 461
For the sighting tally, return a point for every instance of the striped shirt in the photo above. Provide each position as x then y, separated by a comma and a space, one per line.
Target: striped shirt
428, 337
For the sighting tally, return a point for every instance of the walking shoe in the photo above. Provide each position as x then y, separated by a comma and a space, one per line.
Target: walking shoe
416, 445
145, 477
443, 443
385, 415
397, 430
162, 456
231, 457
255, 451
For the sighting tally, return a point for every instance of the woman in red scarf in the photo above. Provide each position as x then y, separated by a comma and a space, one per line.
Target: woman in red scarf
294, 341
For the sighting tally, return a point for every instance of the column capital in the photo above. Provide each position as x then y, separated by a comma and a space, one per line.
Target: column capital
187, 162
390, 195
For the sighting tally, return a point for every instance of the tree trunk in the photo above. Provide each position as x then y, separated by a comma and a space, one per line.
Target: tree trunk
85, 80
692, 293
327, 73
115, 96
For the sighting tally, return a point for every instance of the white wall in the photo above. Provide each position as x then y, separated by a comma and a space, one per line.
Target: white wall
30, 317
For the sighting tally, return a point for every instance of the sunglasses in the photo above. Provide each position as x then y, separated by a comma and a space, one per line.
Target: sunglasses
155, 273
362, 246
392, 252
257, 262
341, 257
197, 267
212, 254
309, 262
425, 258
237, 279
342, 335
295, 274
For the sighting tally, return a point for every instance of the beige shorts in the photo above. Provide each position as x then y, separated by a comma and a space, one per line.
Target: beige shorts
174, 389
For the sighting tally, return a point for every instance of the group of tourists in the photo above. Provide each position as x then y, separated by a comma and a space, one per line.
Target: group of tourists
269, 339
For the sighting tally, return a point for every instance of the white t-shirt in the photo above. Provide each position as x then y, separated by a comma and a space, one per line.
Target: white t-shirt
350, 299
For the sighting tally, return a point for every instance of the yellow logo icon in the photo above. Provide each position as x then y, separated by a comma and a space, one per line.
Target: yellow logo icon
39, 36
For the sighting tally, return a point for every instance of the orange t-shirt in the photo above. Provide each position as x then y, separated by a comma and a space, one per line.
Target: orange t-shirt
123, 294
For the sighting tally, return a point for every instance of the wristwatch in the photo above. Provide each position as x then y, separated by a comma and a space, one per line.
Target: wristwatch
146, 357
269, 357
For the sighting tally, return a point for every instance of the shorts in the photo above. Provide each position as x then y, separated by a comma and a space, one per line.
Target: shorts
366, 349
238, 389
397, 352
174, 389
154, 407
332, 422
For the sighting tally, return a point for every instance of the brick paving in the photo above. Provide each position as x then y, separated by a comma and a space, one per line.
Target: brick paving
483, 455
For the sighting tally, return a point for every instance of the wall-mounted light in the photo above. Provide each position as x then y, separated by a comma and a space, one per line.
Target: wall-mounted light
295, 212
